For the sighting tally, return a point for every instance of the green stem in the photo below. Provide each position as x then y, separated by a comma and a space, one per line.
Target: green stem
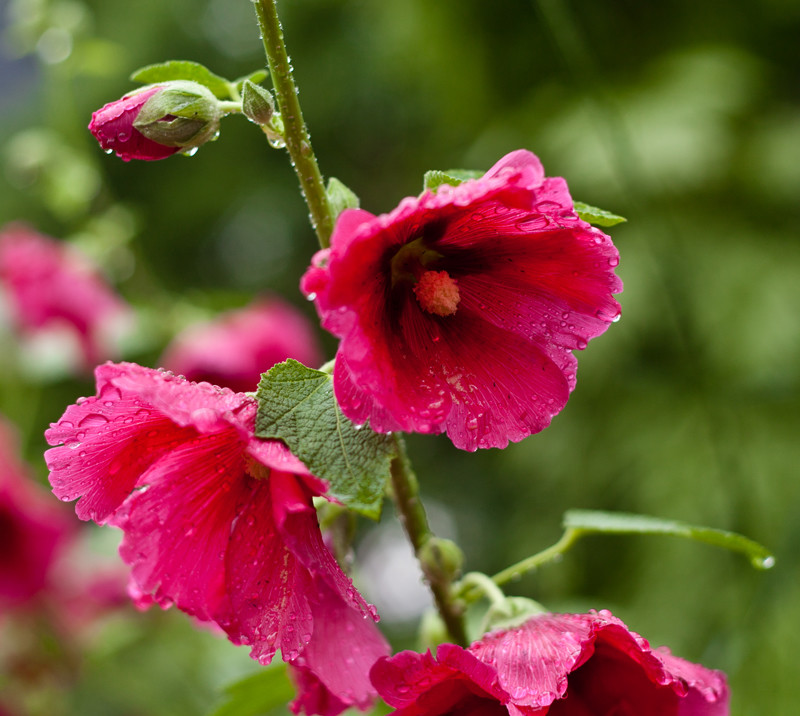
296, 136
230, 106
486, 586
471, 592
552, 553
405, 491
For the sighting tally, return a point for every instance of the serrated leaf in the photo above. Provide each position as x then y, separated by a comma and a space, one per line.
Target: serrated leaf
257, 694
590, 521
184, 70
256, 78
598, 217
296, 404
434, 178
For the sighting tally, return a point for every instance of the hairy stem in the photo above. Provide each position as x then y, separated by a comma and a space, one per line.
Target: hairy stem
405, 491
296, 136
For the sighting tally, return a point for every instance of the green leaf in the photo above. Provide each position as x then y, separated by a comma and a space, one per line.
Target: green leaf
598, 217
257, 694
435, 178
590, 521
296, 404
256, 78
184, 70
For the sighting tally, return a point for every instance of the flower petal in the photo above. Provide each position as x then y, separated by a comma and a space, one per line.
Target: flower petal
343, 648
177, 529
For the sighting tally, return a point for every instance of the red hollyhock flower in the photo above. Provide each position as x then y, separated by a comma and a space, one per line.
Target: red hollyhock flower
459, 310
234, 349
33, 531
112, 126
216, 521
556, 664
49, 285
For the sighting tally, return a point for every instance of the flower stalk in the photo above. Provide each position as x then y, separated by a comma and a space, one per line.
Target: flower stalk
405, 492
295, 135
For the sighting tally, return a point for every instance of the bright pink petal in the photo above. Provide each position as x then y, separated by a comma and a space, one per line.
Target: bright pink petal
455, 682
296, 521
112, 126
177, 529
333, 669
268, 586
707, 690
592, 663
107, 444
216, 521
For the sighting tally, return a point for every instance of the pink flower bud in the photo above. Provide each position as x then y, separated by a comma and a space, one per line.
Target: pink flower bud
157, 121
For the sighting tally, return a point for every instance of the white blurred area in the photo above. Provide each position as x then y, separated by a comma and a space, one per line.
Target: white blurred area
388, 572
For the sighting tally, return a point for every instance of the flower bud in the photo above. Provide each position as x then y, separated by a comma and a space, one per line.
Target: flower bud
441, 557
157, 121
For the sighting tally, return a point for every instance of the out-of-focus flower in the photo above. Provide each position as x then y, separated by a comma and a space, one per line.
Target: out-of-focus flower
215, 520
33, 531
233, 350
50, 286
459, 310
556, 664
156, 121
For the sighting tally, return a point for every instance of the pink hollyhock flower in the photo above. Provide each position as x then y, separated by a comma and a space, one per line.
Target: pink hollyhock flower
49, 285
234, 350
156, 121
459, 310
215, 520
556, 664
33, 530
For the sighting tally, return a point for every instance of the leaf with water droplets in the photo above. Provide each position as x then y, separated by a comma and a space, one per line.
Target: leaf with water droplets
296, 404
184, 70
257, 694
591, 521
598, 217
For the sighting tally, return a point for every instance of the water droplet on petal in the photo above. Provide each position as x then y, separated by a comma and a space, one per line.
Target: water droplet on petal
93, 420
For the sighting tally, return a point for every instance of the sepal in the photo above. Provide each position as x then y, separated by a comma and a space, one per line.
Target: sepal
181, 114
340, 197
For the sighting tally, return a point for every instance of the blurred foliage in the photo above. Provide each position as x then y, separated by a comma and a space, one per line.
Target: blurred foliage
683, 116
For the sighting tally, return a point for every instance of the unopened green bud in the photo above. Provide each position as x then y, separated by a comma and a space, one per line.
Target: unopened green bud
257, 103
511, 613
441, 558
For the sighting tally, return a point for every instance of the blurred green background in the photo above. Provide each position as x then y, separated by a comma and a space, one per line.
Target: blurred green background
682, 115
